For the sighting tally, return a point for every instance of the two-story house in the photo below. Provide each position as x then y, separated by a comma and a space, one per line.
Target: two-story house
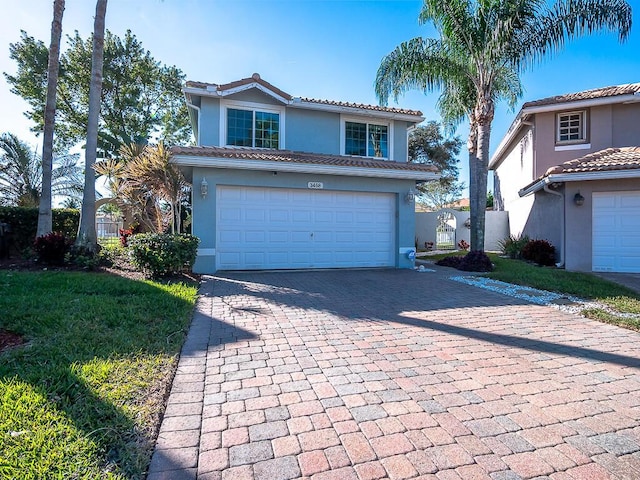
568, 171
283, 182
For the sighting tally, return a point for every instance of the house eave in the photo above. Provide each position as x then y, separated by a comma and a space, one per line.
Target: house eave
579, 177
520, 119
299, 103
265, 165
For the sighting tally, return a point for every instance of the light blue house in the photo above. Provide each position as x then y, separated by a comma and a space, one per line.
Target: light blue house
282, 182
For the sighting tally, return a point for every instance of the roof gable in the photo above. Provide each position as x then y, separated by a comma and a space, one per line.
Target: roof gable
255, 81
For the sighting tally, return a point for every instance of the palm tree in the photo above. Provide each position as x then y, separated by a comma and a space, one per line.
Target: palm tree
143, 181
44, 213
21, 174
482, 49
87, 237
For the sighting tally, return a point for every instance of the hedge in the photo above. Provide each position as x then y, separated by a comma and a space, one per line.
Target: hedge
24, 224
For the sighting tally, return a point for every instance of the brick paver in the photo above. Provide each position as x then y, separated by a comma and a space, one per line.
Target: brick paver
377, 374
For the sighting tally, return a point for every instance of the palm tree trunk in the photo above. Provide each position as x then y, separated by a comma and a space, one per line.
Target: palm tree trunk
45, 222
87, 238
480, 173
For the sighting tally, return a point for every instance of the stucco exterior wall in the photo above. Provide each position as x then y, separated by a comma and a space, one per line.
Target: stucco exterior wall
304, 130
312, 131
544, 221
579, 223
204, 209
209, 122
626, 125
599, 136
515, 171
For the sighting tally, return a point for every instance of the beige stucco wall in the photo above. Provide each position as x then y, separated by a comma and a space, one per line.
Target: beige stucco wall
579, 218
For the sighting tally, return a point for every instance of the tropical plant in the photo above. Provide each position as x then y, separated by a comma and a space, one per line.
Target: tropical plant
44, 213
87, 238
143, 182
21, 174
512, 245
476, 62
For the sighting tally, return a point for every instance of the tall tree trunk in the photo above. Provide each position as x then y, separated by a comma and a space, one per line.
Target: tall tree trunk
480, 173
87, 238
45, 222
472, 147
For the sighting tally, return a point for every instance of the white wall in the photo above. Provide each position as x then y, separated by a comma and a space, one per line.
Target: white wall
496, 227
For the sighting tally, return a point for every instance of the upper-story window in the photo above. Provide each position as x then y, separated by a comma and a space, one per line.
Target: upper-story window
366, 139
253, 128
571, 127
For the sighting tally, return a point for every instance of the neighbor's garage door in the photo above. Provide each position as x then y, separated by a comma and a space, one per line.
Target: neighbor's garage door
616, 232
279, 228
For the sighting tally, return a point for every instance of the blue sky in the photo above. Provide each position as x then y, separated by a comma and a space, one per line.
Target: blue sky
328, 49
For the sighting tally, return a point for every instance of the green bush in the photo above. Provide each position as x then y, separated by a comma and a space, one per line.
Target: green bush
24, 224
512, 245
540, 252
161, 254
474, 261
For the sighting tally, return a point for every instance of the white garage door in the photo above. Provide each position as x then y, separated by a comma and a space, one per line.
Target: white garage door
616, 232
279, 228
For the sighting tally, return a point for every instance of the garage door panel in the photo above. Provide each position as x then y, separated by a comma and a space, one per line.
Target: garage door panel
616, 232
296, 228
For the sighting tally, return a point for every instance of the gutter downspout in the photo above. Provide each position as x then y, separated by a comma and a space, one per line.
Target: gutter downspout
546, 188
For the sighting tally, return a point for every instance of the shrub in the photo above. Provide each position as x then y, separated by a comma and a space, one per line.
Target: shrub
161, 254
454, 261
512, 245
24, 223
474, 261
540, 252
52, 248
463, 245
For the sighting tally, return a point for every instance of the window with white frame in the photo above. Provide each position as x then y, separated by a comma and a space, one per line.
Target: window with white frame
366, 139
571, 127
253, 128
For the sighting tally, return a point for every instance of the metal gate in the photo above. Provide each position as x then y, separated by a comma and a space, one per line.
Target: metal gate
446, 232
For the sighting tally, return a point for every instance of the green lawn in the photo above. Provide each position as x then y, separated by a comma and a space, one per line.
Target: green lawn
83, 398
623, 304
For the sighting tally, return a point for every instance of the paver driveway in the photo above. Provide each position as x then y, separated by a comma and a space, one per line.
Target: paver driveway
396, 374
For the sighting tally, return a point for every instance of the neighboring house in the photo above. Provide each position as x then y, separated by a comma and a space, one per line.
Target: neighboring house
282, 182
568, 170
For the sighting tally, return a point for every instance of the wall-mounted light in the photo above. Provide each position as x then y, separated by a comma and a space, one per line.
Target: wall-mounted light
410, 196
204, 188
578, 199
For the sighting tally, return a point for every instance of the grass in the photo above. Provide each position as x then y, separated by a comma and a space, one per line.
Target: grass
83, 397
622, 304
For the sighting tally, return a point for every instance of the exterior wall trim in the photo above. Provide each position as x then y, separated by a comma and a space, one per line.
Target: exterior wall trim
579, 177
262, 165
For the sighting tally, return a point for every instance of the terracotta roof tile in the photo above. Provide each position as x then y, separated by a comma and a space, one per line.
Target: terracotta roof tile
628, 89
299, 157
376, 108
625, 158
255, 78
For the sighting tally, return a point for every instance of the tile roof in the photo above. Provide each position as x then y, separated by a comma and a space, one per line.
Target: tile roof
376, 108
624, 158
628, 89
255, 78
289, 156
